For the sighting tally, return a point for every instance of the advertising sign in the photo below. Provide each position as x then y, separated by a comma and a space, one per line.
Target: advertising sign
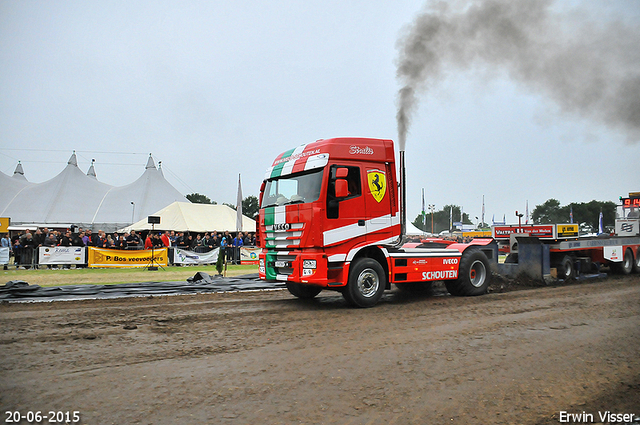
4, 224
249, 255
545, 231
4, 255
182, 256
61, 255
567, 230
627, 227
100, 257
613, 253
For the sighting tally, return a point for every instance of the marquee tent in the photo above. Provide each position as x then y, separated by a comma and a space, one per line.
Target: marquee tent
188, 217
75, 198
11, 186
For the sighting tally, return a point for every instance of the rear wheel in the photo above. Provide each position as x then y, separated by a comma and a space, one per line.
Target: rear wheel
474, 275
636, 263
626, 266
366, 283
566, 270
302, 291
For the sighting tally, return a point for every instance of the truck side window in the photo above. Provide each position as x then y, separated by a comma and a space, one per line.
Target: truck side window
355, 189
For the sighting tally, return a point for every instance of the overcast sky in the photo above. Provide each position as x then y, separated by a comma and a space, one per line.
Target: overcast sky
217, 88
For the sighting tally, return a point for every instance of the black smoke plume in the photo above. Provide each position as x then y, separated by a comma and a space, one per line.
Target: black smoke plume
588, 68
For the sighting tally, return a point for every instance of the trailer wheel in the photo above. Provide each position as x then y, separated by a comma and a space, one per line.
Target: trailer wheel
626, 266
302, 291
474, 275
636, 263
366, 283
565, 268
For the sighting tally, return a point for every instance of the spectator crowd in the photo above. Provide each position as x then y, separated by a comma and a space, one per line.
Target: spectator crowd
23, 246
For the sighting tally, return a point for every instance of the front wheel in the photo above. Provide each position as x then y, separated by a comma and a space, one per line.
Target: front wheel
474, 275
366, 285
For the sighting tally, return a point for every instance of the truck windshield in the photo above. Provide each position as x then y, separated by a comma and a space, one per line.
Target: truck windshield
292, 189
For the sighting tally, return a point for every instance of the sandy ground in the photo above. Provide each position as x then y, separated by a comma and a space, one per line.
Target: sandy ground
515, 357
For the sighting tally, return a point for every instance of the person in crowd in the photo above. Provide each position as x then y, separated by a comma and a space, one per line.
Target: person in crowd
38, 238
66, 239
223, 248
196, 242
133, 240
207, 242
181, 241
17, 250
121, 242
166, 241
28, 245
237, 243
172, 238
76, 240
157, 241
215, 239
148, 243
189, 241
110, 243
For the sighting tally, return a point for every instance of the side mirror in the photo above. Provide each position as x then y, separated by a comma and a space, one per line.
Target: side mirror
342, 188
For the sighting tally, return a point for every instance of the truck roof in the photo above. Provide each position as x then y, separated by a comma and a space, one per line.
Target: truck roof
317, 154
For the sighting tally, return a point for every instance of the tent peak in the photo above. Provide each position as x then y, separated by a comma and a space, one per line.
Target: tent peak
19, 169
73, 160
92, 170
150, 163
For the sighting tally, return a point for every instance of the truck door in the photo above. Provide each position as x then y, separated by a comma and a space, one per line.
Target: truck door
346, 216
377, 194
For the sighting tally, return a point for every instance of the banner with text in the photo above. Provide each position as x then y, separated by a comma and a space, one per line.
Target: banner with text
249, 254
99, 257
4, 255
182, 256
61, 255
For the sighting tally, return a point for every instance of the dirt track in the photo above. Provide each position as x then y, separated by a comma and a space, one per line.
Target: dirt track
518, 357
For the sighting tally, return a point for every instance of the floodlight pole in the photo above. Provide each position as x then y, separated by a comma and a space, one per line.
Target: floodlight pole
133, 212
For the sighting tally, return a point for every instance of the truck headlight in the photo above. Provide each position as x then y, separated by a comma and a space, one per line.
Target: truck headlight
309, 264
262, 262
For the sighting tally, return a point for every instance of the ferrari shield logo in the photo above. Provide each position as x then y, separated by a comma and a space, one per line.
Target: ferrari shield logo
377, 184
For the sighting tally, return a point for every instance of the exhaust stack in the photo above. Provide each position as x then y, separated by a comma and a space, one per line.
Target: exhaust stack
403, 201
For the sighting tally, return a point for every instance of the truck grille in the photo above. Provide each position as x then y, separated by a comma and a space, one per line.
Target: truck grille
278, 238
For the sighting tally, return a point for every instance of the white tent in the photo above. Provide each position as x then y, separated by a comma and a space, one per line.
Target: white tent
68, 198
73, 197
414, 231
128, 204
185, 216
11, 186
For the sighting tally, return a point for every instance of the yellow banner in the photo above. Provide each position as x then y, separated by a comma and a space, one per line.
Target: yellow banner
4, 224
567, 230
99, 257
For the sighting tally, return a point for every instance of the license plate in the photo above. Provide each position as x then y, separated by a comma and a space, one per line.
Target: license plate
281, 264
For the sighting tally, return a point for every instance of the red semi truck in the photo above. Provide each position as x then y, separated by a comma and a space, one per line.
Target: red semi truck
332, 217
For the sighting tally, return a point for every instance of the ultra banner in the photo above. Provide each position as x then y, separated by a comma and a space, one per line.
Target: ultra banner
181, 256
61, 255
99, 257
249, 254
4, 255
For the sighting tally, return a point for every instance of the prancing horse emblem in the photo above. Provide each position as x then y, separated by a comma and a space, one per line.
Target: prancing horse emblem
377, 184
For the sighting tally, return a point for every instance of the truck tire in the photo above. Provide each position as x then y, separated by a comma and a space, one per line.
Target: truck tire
566, 269
302, 291
366, 284
636, 263
626, 266
474, 275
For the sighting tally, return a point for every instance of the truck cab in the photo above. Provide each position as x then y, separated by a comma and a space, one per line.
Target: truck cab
330, 218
